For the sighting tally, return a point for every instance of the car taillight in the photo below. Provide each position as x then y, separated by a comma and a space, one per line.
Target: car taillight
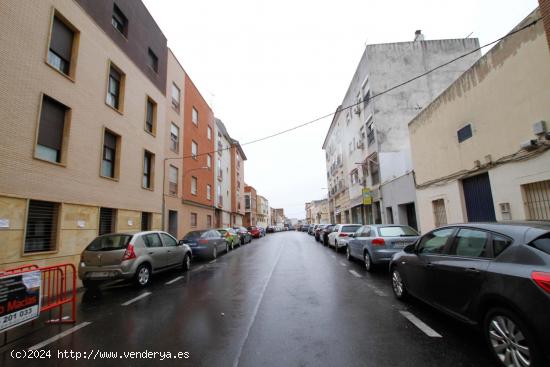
129, 253
378, 242
203, 242
542, 280
343, 234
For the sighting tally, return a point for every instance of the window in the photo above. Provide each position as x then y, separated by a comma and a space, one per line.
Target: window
247, 201
119, 21
152, 240
208, 161
208, 192
194, 150
176, 93
62, 40
470, 243
434, 242
153, 61
174, 138
42, 226
195, 116
193, 219
370, 132
173, 222
115, 88
348, 118
542, 243
51, 130
397, 231
374, 171
501, 243
209, 221
366, 97
440, 216
151, 116
193, 185
106, 220
146, 221
109, 165
537, 200
209, 133
148, 164
465, 133
173, 180
169, 241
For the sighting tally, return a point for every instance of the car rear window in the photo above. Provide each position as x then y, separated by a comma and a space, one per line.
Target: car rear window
192, 235
542, 243
403, 231
350, 228
109, 243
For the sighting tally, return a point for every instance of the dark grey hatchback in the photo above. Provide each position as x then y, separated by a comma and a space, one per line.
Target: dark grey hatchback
495, 275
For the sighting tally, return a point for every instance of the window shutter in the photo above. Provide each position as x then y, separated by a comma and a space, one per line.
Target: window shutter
62, 39
52, 121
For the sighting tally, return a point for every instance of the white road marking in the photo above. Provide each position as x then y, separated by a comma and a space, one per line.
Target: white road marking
420, 324
199, 268
174, 280
255, 312
213, 261
59, 336
377, 290
343, 264
143, 295
356, 274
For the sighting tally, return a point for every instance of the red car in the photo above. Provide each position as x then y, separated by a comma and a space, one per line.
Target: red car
255, 232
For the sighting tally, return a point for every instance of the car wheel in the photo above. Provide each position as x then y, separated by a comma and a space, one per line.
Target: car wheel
369, 266
398, 285
348, 254
242, 241
186, 262
214, 252
336, 246
511, 340
226, 248
143, 275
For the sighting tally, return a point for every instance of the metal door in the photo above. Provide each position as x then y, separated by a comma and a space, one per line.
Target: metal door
478, 198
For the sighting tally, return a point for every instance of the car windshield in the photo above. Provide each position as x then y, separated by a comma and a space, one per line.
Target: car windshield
397, 231
109, 242
193, 235
222, 231
350, 228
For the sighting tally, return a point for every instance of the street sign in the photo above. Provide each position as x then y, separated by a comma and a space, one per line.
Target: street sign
367, 196
19, 299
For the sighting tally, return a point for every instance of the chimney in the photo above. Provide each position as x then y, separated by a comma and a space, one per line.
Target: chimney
418, 36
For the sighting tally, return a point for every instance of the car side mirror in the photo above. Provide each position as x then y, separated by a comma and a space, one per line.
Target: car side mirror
180, 243
352, 235
410, 249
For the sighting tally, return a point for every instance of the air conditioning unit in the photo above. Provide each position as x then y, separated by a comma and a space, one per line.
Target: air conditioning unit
357, 110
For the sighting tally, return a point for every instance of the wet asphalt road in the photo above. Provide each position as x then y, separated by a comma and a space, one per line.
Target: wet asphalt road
283, 300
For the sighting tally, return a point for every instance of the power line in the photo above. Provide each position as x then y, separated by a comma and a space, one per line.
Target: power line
340, 109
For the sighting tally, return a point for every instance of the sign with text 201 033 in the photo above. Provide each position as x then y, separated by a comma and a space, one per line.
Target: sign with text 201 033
19, 299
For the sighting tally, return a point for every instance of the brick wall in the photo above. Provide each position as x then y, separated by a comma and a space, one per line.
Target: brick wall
545, 12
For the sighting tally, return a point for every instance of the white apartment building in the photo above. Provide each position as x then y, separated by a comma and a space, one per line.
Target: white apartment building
367, 146
223, 175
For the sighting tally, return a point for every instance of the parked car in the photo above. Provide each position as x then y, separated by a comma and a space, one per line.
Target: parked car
311, 228
377, 243
231, 237
318, 232
206, 243
255, 231
305, 227
494, 275
338, 238
131, 256
323, 235
244, 235
262, 230
270, 229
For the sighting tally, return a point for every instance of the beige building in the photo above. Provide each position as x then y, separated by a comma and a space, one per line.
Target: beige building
480, 150
80, 151
317, 211
262, 211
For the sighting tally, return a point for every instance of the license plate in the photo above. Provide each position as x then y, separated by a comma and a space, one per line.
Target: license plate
400, 244
100, 274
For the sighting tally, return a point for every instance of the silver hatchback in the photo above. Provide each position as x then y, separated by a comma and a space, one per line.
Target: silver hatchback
131, 256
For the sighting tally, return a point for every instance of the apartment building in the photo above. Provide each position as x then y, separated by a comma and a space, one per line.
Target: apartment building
82, 138
172, 164
237, 183
277, 217
493, 141
250, 204
198, 165
262, 211
223, 175
317, 211
367, 145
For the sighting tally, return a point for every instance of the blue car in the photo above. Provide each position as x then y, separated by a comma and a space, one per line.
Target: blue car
376, 243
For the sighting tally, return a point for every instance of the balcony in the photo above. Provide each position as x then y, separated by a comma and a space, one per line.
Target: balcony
220, 201
220, 174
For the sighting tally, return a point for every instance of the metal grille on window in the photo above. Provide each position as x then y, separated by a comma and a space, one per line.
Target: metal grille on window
106, 220
440, 216
537, 200
41, 230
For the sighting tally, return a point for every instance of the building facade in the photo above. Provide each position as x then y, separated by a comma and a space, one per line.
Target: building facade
278, 217
262, 211
223, 175
367, 146
237, 183
80, 143
317, 211
250, 204
493, 142
198, 165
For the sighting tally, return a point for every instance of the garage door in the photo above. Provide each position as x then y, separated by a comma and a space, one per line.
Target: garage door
479, 198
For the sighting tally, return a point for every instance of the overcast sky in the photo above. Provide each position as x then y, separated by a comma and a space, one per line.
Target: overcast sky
264, 66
